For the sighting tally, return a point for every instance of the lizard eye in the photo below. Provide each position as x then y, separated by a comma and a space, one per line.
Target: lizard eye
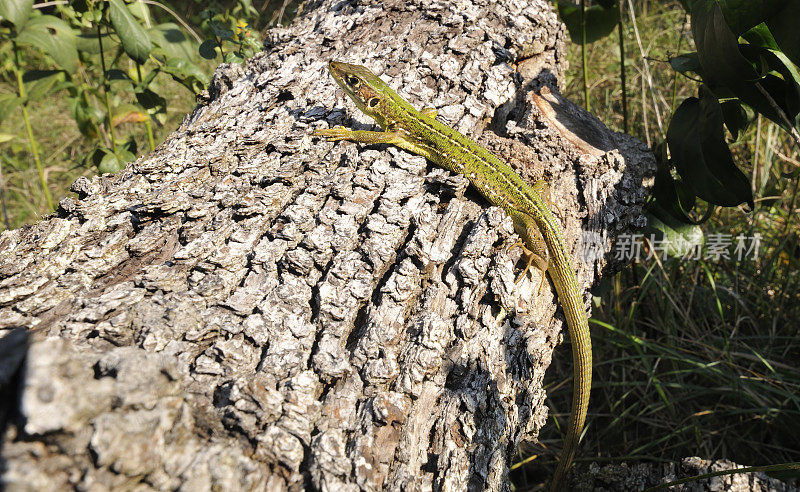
352, 81
373, 102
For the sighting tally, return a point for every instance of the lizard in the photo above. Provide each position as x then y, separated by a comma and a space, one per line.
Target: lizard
540, 232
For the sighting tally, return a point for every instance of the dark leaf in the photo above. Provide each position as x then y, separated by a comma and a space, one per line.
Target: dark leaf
687, 62
701, 155
599, 21
671, 195
207, 49
735, 116
151, 101
128, 150
730, 67
115, 74
783, 26
741, 15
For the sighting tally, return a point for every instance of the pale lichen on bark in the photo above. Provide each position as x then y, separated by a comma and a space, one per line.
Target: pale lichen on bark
248, 307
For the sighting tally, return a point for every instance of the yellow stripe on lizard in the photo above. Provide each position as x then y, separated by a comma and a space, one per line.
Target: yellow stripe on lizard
419, 132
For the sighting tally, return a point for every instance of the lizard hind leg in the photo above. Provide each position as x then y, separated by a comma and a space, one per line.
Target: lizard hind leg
532, 244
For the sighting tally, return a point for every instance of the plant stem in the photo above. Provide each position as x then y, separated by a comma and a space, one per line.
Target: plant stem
3, 197
583, 55
105, 91
31, 139
675, 75
622, 70
148, 125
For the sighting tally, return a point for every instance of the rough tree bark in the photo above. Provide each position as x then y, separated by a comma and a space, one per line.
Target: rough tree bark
248, 307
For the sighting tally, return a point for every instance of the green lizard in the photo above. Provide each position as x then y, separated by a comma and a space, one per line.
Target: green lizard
419, 132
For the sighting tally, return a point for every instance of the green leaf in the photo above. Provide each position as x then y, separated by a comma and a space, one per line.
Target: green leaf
680, 238
761, 36
87, 43
233, 57
135, 40
599, 21
8, 103
687, 62
207, 49
6, 137
39, 82
730, 67
16, 11
54, 37
128, 150
86, 116
186, 73
109, 163
701, 156
170, 38
140, 10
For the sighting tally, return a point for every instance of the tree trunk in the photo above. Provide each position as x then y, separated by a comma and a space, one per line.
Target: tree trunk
250, 307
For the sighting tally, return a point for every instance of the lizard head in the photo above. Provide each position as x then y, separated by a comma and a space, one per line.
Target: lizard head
367, 90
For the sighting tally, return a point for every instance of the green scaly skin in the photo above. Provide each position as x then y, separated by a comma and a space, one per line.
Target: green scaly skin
419, 132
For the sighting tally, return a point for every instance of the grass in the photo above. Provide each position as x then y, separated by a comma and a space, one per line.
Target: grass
692, 358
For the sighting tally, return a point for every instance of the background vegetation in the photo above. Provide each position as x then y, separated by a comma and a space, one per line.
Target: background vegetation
692, 357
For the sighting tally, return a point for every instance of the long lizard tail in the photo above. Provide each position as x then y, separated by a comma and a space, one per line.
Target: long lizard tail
582, 379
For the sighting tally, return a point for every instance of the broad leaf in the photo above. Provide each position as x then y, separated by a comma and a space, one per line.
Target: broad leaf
54, 37
170, 38
717, 47
672, 196
731, 67
8, 103
599, 21
109, 163
135, 40
128, 113
783, 26
678, 238
87, 43
186, 73
207, 49
735, 116
39, 82
151, 101
16, 11
741, 15
687, 62
701, 156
